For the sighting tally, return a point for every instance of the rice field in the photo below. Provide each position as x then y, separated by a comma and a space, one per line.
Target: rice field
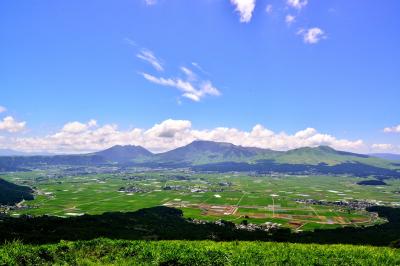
233, 197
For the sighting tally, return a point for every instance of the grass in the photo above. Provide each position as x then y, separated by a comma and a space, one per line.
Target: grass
120, 252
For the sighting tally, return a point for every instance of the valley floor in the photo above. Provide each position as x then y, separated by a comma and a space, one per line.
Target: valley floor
122, 252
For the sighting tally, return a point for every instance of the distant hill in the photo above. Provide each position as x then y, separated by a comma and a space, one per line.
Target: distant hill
9, 152
11, 193
387, 156
123, 154
115, 154
326, 155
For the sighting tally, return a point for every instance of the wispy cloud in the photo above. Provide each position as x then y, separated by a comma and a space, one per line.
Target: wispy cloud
130, 41
269, 9
150, 2
290, 19
297, 4
2, 109
394, 129
245, 9
312, 35
189, 73
149, 57
197, 65
192, 89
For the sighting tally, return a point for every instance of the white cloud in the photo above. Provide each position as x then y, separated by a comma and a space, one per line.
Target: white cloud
130, 41
297, 4
306, 133
77, 127
150, 2
2, 109
198, 67
395, 129
245, 9
312, 35
191, 90
169, 128
269, 8
171, 134
289, 19
150, 58
189, 73
10, 125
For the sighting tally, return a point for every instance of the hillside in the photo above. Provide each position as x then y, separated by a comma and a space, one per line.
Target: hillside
11, 193
122, 252
209, 152
123, 154
327, 155
203, 152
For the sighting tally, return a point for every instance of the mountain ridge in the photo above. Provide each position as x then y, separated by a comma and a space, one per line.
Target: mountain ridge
124, 153
222, 156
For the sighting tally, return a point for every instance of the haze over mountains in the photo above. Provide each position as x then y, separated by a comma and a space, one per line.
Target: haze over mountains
387, 156
220, 157
9, 152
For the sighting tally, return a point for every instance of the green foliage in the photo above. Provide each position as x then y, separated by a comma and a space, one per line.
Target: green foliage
162, 223
120, 252
11, 193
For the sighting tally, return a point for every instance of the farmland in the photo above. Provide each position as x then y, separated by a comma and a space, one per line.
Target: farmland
280, 199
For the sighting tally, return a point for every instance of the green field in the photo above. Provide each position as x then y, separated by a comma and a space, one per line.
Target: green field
119, 252
233, 197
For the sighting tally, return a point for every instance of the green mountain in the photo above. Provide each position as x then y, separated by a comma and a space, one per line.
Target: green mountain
204, 152
11, 193
123, 154
222, 157
207, 152
329, 156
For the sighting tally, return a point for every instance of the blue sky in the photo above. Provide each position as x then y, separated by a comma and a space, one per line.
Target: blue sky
287, 65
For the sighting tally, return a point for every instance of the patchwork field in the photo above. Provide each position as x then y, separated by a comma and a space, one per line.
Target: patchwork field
234, 197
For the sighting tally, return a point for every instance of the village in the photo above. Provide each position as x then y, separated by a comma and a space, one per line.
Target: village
351, 205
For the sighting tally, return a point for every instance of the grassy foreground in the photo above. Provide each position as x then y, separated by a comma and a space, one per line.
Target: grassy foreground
122, 252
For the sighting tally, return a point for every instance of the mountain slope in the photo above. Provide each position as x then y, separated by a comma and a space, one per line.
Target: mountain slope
123, 154
11, 193
203, 152
222, 157
327, 155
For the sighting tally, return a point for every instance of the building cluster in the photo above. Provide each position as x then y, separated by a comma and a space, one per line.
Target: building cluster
351, 204
131, 189
174, 187
268, 226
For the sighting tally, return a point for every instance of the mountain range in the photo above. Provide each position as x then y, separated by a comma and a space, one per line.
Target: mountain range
221, 156
9, 152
